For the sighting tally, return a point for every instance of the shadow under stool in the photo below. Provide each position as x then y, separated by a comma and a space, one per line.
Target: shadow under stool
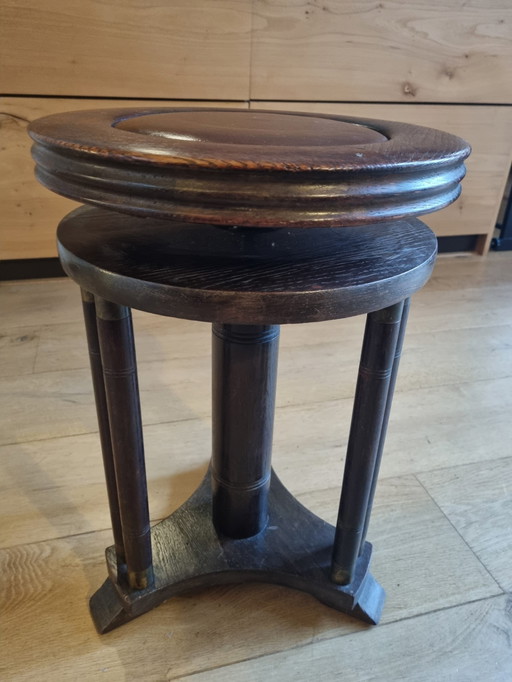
246, 220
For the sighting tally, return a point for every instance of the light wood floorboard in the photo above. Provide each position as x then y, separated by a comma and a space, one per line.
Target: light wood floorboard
465, 643
418, 556
477, 499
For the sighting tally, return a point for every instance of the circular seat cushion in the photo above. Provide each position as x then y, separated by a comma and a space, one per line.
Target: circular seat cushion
247, 167
245, 276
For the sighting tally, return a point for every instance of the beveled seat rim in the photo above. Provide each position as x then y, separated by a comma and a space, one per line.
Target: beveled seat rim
110, 261
93, 134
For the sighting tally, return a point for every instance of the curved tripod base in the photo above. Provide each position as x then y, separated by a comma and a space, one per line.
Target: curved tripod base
293, 550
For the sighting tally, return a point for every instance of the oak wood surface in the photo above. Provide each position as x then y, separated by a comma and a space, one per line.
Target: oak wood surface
238, 276
487, 129
186, 50
29, 214
456, 428
239, 491
293, 550
332, 50
386, 52
245, 168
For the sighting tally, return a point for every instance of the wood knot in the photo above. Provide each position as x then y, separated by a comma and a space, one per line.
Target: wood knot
409, 89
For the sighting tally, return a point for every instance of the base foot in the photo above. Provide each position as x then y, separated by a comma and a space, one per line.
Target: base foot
293, 550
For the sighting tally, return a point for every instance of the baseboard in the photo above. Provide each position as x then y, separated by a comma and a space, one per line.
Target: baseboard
31, 268
466, 242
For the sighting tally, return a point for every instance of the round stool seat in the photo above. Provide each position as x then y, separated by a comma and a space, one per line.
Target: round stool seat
244, 276
247, 167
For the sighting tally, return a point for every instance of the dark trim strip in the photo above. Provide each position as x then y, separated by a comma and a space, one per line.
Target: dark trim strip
31, 268
253, 100
466, 242
121, 98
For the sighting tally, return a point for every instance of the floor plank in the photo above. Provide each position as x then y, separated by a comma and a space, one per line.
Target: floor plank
49, 404
466, 643
44, 599
430, 429
18, 350
477, 498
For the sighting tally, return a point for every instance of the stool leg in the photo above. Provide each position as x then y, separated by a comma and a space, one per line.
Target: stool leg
244, 384
89, 309
387, 410
379, 344
121, 387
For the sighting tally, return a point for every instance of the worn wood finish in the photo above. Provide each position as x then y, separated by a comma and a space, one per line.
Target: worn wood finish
367, 432
246, 169
28, 212
119, 368
222, 275
385, 417
244, 360
347, 171
293, 550
488, 129
27, 225
100, 399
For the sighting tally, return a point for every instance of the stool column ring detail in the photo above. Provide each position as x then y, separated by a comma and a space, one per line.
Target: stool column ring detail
244, 388
246, 220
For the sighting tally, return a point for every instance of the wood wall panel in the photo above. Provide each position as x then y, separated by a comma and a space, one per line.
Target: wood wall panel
29, 213
193, 49
365, 50
487, 128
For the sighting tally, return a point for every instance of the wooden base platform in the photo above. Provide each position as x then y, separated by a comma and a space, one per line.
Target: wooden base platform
293, 550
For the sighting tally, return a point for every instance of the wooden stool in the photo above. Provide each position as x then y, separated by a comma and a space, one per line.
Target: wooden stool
197, 215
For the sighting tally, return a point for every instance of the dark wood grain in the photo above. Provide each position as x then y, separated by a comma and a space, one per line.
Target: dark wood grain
366, 435
250, 168
100, 398
198, 182
244, 362
385, 419
115, 336
293, 550
248, 276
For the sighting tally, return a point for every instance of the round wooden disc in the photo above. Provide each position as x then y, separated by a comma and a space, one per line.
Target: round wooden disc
247, 167
245, 276
223, 134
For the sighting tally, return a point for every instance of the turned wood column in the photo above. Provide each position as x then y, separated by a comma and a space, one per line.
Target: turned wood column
387, 411
122, 394
366, 429
91, 330
244, 386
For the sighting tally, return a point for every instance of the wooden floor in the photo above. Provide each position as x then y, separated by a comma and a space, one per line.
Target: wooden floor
442, 523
